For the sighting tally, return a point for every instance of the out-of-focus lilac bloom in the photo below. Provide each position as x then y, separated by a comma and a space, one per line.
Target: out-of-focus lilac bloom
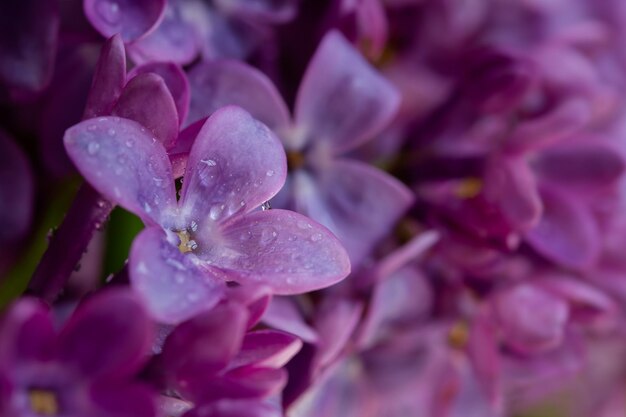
85, 369
132, 19
222, 28
28, 40
342, 103
211, 362
180, 263
17, 191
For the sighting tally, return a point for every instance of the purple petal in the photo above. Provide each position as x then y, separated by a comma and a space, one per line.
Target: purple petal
28, 42
169, 282
26, 333
359, 203
240, 383
589, 164
176, 81
510, 184
199, 348
147, 100
235, 408
335, 321
561, 122
530, 318
174, 39
282, 314
567, 233
108, 79
220, 83
180, 152
265, 11
235, 164
125, 164
16, 191
108, 335
283, 250
342, 99
373, 26
267, 349
125, 400
256, 298
132, 19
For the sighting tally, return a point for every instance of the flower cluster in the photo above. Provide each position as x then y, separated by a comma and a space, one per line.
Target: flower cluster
303, 208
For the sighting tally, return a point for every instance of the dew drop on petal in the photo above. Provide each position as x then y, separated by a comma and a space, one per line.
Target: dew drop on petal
266, 206
93, 148
269, 173
109, 11
316, 237
111, 132
208, 162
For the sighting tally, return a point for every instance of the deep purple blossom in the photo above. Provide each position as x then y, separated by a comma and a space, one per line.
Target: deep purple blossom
181, 262
85, 368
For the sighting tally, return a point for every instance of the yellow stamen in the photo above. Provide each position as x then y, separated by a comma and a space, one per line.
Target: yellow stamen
43, 402
458, 335
185, 243
469, 188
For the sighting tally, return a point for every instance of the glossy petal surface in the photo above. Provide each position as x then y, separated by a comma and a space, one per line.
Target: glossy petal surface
169, 282
266, 348
121, 160
236, 163
342, 99
283, 250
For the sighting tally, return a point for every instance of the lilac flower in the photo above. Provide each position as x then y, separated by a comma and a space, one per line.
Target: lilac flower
84, 369
342, 102
211, 362
180, 263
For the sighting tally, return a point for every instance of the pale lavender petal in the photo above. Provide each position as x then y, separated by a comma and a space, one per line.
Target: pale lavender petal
168, 281
219, 83
267, 349
357, 202
236, 163
567, 233
121, 160
147, 100
342, 99
589, 164
282, 314
174, 39
176, 81
203, 345
335, 321
17, 191
270, 11
530, 318
107, 336
108, 80
235, 408
281, 249
28, 41
510, 185
132, 19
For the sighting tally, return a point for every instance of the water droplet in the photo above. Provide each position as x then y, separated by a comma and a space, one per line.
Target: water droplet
316, 237
266, 206
147, 208
92, 128
208, 162
93, 148
269, 173
193, 226
215, 212
129, 143
159, 182
192, 244
176, 264
111, 132
101, 203
304, 225
109, 11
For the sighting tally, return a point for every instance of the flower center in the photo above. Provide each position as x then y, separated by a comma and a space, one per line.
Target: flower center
43, 402
186, 243
295, 160
458, 335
